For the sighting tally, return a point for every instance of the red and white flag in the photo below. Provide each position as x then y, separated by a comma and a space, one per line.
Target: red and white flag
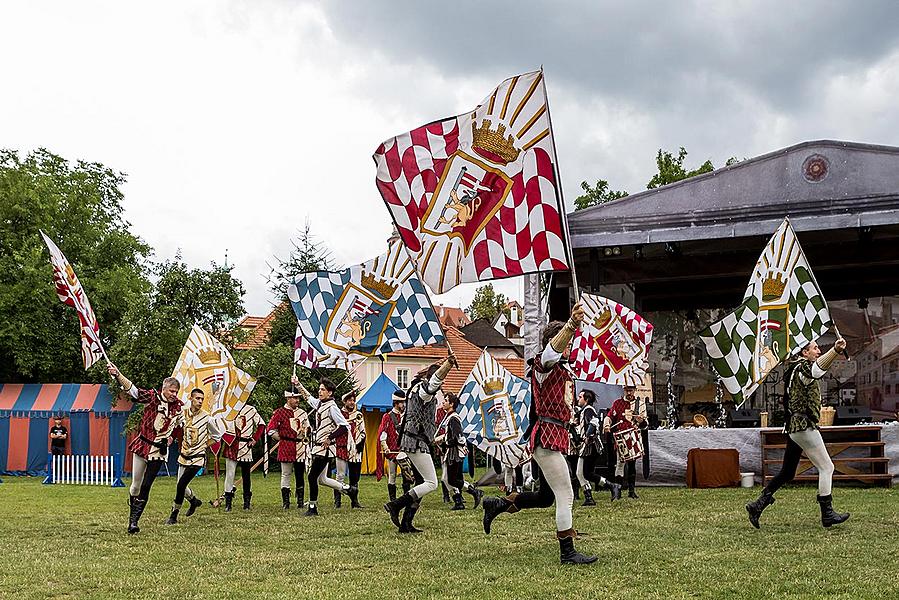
475, 197
303, 353
70, 292
611, 344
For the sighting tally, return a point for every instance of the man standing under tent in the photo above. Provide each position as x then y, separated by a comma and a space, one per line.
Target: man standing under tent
590, 449
162, 411
289, 426
416, 436
389, 446
552, 388
349, 446
455, 448
803, 411
240, 436
58, 436
627, 414
329, 422
198, 431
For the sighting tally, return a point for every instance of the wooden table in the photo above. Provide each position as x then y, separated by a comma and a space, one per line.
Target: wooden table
857, 453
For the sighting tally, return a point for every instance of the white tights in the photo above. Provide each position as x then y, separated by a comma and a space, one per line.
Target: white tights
812, 444
425, 467
555, 470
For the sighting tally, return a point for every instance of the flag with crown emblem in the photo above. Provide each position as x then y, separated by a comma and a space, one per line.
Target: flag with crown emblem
70, 292
206, 363
611, 344
476, 196
493, 407
369, 309
783, 309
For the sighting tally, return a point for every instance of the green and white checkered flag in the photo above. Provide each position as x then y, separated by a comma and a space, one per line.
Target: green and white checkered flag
783, 309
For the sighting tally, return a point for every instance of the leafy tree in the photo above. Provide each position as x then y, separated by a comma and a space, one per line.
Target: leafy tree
152, 333
308, 254
596, 195
79, 206
672, 168
486, 304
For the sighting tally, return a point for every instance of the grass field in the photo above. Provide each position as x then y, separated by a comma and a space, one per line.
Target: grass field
70, 542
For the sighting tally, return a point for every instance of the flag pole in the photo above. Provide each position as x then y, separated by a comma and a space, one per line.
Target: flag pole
560, 199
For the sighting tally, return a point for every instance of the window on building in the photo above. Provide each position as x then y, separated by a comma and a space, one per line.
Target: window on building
402, 378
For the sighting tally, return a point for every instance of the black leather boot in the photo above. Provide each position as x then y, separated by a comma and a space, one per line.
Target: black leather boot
406, 526
588, 497
336, 499
446, 494
135, 510
173, 518
458, 504
229, 498
828, 515
476, 494
353, 493
194, 504
311, 510
406, 486
494, 506
301, 491
756, 507
391, 491
394, 507
246, 499
567, 554
613, 488
285, 498
632, 483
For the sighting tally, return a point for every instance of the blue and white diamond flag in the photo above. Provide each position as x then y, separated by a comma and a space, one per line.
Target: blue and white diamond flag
374, 308
493, 406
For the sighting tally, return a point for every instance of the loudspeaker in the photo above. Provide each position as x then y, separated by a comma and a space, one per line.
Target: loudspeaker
850, 415
745, 417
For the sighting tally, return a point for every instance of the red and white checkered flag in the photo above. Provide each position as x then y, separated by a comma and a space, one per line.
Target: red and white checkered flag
475, 197
70, 292
303, 352
611, 344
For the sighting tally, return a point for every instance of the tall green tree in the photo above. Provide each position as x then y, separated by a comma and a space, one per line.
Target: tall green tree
153, 333
79, 205
486, 304
671, 168
596, 195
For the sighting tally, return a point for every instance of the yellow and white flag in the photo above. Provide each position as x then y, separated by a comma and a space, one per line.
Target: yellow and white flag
207, 364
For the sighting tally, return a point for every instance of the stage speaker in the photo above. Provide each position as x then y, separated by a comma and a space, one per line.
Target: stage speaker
850, 415
744, 417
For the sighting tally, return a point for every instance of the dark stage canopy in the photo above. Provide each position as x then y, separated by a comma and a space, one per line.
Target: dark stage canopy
694, 243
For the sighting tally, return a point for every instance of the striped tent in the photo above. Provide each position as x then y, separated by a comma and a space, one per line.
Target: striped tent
27, 412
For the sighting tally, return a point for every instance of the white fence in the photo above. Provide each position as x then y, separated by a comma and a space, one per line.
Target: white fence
84, 469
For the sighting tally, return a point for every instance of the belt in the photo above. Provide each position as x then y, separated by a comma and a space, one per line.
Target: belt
287, 439
244, 439
192, 456
160, 445
551, 421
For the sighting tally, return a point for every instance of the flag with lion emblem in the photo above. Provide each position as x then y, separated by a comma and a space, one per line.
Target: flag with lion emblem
366, 310
206, 363
783, 309
611, 344
476, 196
70, 292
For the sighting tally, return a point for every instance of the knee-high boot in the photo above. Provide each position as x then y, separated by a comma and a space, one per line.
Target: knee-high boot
758, 505
391, 491
567, 554
494, 506
828, 515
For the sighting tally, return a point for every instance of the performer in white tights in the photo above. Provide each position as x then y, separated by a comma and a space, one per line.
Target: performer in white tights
552, 388
801, 427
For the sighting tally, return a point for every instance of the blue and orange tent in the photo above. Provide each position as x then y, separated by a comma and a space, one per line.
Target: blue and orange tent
26, 414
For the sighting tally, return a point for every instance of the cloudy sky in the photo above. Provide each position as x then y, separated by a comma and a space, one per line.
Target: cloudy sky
238, 121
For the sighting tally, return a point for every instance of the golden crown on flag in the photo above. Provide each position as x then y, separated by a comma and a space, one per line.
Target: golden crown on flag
378, 286
492, 144
603, 319
494, 385
773, 286
209, 356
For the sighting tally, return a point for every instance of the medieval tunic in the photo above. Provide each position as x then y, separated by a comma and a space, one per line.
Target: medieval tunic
553, 393
199, 430
589, 429
347, 442
804, 399
292, 426
328, 421
420, 417
451, 439
157, 424
388, 433
246, 429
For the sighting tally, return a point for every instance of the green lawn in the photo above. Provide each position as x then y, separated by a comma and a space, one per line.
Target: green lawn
70, 541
